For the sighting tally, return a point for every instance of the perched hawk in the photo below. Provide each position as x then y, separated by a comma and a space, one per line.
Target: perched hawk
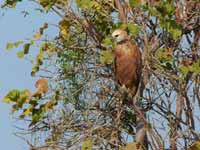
128, 62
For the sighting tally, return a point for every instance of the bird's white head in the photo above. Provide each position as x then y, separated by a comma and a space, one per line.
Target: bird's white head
119, 35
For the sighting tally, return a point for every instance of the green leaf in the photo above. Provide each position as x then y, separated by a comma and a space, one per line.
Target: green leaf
152, 10
7, 100
165, 55
134, 29
39, 57
24, 93
195, 67
34, 70
107, 41
28, 110
64, 26
13, 95
184, 70
170, 8
85, 4
135, 3
16, 96
87, 144
166, 8
117, 26
36, 116
174, 29
49, 105
33, 101
176, 33
107, 57
48, 47
16, 44
10, 3
47, 4
20, 54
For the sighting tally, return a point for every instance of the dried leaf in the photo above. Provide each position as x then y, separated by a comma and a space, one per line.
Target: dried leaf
26, 48
186, 63
37, 36
42, 86
195, 146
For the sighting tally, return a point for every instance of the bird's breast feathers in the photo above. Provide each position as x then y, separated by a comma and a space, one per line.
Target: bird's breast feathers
127, 64
127, 51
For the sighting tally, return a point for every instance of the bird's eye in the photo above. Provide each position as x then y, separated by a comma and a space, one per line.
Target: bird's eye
116, 35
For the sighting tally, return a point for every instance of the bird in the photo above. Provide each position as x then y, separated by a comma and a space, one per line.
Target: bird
127, 61
128, 72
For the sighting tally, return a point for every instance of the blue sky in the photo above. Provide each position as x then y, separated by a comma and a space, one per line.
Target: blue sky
15, 73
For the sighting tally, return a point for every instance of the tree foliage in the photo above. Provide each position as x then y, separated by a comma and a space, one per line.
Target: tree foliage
79, 107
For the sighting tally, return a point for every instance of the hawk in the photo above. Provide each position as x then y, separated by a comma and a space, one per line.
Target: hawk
128, 62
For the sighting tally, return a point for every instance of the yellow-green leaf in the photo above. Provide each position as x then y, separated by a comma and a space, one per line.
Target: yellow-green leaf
12, 45
165, 55
195, 67
28, 111
9, 3
7, 100
107, 57
87, 144
64, 28
85, 4
132, 146
16, 44
50, 105
135, 3
13, 95
107, 41
34, 70
20, 54
47, 4
133, 28
9, 46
